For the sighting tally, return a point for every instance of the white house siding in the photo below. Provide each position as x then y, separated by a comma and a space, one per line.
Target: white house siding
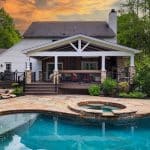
18, 60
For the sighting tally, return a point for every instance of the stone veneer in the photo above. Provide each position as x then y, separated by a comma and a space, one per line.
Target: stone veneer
28, 76
131, 73
40, 76
122, 63
103, 76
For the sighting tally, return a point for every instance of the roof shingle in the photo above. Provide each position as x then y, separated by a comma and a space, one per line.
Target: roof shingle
57, 29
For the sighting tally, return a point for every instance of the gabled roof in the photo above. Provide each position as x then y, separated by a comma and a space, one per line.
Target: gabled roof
57, 29
101, 43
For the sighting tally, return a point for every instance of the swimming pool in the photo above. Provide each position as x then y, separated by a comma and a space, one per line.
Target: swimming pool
55, 133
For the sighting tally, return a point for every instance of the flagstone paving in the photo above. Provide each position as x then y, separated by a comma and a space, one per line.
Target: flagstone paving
59, 104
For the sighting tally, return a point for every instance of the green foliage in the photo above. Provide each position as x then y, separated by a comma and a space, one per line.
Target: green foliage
109, 86
142, 78
18, 91
14, 85
134, 94
123, 86
8, 34
131, 30
134, 25
94, 90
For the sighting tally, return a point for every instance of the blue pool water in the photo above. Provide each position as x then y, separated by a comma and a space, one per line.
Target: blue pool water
53, 133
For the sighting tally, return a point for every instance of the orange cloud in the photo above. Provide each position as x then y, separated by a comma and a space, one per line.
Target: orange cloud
26, 11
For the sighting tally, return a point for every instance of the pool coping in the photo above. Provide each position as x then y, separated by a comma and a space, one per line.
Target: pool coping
59, 105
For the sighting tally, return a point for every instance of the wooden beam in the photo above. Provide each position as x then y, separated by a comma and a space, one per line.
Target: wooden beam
74, 46
82, 54
85, 46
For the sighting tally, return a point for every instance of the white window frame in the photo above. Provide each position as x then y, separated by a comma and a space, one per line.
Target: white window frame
6, 63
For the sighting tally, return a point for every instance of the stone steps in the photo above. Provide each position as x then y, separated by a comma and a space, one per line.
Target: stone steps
40, 89
5, 84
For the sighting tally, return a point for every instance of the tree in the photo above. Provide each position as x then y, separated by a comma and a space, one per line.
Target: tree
142, 78
131, 31
133, 27
8, 34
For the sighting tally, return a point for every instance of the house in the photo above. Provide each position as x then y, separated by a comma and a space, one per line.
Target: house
71, 52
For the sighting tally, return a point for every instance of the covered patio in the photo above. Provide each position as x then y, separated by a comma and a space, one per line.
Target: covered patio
82, 59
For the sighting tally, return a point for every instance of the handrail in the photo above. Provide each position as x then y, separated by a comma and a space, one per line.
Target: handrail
80, 71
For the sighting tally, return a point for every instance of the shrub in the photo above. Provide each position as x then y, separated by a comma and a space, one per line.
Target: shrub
142, 78
18, 91
134, 94
14, 85
123, 87
94, 90
109, 86
124, 95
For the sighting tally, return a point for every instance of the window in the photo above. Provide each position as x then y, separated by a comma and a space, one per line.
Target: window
8, 67
30, 65
89, 65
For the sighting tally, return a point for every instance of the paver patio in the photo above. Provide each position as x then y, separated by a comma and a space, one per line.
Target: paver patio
59, 104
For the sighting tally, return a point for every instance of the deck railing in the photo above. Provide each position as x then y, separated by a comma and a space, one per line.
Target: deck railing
86, 76
12, 76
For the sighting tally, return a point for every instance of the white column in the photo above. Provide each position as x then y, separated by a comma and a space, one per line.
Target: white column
131, 69
132, 61
103, 63
28, 64
28, 76
56, 64
103, 70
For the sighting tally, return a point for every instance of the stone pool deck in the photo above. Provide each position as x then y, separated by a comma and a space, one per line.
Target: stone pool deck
58, 104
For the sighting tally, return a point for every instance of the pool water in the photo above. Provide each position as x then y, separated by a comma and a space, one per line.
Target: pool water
53, 133
104, 108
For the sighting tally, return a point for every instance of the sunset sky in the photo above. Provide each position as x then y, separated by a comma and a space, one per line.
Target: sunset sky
26, 11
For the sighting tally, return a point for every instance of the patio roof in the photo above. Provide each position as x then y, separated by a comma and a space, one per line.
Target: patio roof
90, 40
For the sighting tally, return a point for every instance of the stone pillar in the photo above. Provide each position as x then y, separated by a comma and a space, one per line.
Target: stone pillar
40, 76
121, 65
131, 73
103, 70
103, 76
28, 76
56, 77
